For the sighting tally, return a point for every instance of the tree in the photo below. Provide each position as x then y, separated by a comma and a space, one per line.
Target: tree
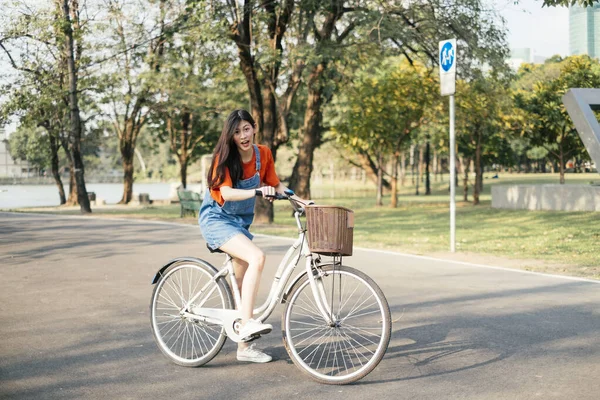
27, 144
72, 53
38, 103
137, 41
408, 28
380, 110
480, 112
551, 126
53, 38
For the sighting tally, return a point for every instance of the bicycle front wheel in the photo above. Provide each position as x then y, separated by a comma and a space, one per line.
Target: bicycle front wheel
354, 343
186, 341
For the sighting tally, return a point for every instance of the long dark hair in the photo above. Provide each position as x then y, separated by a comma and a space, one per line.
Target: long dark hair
226, 152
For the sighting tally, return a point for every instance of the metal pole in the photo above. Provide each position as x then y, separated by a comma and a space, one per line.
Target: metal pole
452, 179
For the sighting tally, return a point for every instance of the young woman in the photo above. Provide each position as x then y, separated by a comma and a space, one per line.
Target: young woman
239, 167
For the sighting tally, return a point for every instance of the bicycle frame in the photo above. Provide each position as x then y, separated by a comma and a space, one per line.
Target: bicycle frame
229, 318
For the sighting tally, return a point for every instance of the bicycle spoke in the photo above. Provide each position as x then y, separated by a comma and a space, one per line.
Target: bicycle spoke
344, 343
358, 355
310, 337
363, 314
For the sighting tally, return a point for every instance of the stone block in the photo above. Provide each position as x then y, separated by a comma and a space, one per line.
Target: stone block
547, 197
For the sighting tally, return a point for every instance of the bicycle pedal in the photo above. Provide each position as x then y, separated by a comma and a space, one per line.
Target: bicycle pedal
252, 338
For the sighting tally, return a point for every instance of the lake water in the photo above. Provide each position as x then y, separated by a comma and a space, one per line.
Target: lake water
17, 196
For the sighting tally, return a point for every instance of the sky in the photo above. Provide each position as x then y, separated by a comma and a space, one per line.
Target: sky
545, 30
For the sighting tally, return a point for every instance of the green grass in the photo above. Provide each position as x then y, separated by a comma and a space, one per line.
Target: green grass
565, 238
548, 241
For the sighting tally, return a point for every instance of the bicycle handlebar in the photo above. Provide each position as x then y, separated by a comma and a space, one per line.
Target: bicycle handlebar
287, 196
276, 196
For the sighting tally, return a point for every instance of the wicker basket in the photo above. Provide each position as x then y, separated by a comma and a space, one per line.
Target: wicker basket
330, 230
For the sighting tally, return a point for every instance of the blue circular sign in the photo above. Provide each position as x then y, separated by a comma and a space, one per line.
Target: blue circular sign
447, 56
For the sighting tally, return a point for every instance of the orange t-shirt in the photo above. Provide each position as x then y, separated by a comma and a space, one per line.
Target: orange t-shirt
268, 176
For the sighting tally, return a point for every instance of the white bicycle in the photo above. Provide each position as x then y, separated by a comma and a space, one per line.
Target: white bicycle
336, 324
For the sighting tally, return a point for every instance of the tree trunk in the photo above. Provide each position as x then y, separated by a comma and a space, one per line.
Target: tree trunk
466, 181
379, 199
419, 170
370, 169
311, 139
394, 192
561, 164
73, 199
263, 210
242, 37
402, 168
127, 147
436, 171
76, 125
427, 180
54, 147
127, 179
185, 135
412, 163
183, 165
478, 172
456, 169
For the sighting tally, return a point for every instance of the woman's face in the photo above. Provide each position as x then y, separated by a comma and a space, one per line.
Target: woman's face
243, 136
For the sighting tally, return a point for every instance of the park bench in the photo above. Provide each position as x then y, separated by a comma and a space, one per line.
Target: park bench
189, 201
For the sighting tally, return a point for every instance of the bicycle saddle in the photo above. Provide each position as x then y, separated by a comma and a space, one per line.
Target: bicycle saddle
214, 250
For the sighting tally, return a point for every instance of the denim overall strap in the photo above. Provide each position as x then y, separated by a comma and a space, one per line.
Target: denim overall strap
257, 161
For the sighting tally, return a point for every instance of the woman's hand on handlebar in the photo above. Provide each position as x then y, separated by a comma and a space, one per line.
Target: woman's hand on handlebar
268, 192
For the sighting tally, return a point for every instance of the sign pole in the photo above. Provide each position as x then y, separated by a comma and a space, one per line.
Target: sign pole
452, 179
447, 57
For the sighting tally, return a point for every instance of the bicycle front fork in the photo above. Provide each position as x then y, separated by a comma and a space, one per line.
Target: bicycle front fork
315, 275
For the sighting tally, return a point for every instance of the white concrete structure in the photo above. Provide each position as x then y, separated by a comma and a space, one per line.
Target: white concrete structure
10, 167
522, 55
547, 197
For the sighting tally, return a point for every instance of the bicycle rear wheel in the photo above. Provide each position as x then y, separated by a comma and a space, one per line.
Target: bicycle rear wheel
186, 341
351, 347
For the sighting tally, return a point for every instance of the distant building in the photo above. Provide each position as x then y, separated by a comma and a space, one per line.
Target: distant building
584, 30
8, 166
522, 55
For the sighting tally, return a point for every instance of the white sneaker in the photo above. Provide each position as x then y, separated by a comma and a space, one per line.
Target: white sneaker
252, 354
253, 328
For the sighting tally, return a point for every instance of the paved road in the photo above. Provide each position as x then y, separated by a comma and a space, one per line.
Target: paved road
74, 324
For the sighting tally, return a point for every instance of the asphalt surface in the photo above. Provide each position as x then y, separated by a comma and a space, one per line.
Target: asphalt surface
74, 323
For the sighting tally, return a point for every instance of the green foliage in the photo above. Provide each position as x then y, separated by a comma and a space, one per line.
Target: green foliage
414, 29
482, 107
197, 86
382, 106
540, 97
32, 145
567, 3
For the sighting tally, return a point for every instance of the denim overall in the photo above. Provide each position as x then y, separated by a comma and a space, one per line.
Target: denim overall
219, 223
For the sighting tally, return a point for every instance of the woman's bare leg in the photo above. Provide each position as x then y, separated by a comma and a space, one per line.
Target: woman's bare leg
242, 248
239, 267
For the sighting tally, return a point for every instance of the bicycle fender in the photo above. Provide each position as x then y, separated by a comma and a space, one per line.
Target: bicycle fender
159, 273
